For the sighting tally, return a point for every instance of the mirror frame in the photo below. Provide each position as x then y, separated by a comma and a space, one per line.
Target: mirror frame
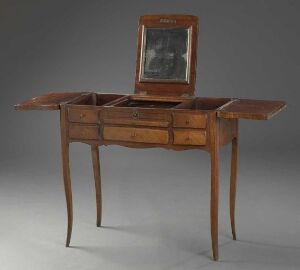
167, 87
143, 61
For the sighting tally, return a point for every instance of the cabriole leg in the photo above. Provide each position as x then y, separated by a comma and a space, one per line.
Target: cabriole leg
68, 189
66, 171
233, 178
97, 177
214, 196
214, 203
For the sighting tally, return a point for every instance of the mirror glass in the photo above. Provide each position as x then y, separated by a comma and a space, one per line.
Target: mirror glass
165, 54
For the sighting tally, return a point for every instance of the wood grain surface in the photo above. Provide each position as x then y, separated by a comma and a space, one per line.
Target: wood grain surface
251, 109
49, 101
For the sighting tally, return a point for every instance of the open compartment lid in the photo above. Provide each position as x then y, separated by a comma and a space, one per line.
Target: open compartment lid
49, 101
251, 109
166, 55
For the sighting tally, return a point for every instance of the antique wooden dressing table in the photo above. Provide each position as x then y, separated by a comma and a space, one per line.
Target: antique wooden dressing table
163, 111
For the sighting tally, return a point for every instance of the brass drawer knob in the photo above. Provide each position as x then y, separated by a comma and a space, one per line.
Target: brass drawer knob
187, 122
135, 115
82, 115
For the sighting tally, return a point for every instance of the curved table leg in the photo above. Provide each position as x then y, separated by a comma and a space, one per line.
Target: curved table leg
66, 171
68, 189
97, 177
214, 196
214, 203
233, 177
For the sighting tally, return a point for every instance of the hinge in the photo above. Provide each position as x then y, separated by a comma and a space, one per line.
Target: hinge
185, 95
144, 93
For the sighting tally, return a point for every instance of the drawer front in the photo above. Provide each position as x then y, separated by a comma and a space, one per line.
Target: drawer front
83, 116
124, 121
84, 132
190, 137
135, 117
189, 120
142, 135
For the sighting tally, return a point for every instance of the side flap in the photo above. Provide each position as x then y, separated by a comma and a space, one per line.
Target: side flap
49, 101
251, 109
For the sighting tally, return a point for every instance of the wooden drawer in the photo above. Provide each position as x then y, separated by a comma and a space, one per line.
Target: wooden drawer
190, 137
138, 117
142, 135
84, 132
189, 120
83, 116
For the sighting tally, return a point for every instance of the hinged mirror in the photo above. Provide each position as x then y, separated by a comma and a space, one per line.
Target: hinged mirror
166, 55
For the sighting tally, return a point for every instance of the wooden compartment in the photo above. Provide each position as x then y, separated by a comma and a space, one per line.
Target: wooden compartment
205, 104
151, 103
96, 99
84, 109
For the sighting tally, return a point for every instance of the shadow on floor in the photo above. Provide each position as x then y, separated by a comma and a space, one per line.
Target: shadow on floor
193, 253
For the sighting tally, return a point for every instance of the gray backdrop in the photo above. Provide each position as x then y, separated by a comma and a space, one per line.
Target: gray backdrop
156, 202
